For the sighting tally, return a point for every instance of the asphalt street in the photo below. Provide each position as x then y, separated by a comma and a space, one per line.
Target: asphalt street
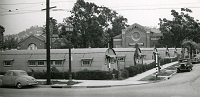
186, 84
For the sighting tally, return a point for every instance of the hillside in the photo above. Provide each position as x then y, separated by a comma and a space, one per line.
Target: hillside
21, 35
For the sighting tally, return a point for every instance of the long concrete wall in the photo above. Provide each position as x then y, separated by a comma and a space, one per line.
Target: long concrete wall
98, 63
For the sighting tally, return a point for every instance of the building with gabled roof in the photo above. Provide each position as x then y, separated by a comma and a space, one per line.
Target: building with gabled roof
146, 37
39, 42
32, 42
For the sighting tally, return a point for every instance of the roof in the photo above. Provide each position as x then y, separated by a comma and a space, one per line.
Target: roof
155, 31
40, 38
57, 51
118, 36
136, 25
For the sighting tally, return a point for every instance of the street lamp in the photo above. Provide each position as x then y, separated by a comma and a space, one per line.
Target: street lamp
69, 28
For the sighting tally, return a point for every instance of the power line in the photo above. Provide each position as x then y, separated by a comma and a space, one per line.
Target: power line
34, 3
30, 11
68, 10
155, 5
39, 2
3, 8
5, 14
152, 8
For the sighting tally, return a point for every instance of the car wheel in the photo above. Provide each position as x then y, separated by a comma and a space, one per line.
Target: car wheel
178, 71
19, 85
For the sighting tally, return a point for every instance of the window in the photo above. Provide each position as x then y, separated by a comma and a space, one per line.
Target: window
121, 59
86, 63
118, 46
58, 62
40, 63
32, 63
8, 63
32, 46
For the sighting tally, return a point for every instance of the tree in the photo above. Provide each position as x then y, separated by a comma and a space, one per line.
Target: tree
93, 25
53, 26
191, 46
2, 29
10, 43
181, 27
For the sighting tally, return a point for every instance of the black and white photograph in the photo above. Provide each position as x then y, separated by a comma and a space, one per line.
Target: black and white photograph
99, 48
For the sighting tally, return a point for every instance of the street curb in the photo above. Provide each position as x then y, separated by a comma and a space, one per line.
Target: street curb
103, 86
43, 86
168, 77
70, 86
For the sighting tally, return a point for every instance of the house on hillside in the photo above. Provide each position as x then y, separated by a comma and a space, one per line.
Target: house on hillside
146, 37
89, 58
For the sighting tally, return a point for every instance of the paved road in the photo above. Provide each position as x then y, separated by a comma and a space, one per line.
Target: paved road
185, 84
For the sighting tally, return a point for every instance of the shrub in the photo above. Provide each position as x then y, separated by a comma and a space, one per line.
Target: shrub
93, 75
2, 73
137, 69
124, 74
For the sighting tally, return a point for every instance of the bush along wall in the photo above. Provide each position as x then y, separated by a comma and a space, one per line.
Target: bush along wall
140, 68
101, 75
2, 73
93, 75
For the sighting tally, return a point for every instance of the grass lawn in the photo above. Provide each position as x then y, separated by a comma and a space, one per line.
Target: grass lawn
161, 75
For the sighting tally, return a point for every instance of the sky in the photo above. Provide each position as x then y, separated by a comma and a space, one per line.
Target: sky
19, 15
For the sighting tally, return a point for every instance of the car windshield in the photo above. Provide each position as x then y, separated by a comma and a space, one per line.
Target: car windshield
23, 73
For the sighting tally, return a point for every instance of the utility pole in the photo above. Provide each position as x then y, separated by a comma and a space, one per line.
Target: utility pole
48, 44
48, 41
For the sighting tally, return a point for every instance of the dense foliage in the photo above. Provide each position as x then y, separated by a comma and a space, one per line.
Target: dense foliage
181, 27
94, 26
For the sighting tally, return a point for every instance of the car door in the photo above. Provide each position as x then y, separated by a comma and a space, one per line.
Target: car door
6, 79
14, 76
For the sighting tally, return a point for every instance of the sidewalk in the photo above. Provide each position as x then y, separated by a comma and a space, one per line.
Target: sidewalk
110, 83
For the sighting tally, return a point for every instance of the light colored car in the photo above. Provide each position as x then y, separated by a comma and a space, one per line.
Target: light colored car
196, 58
18, 78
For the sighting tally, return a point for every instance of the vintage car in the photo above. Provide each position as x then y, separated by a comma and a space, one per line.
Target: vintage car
196, 58
18, 78
184, 65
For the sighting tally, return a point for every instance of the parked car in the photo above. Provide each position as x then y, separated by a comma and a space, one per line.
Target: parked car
184, 65
18, 78
196, 59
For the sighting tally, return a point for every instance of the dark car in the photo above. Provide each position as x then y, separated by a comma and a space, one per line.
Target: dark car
184, 65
